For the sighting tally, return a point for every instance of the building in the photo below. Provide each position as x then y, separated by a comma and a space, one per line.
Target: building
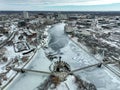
25, 14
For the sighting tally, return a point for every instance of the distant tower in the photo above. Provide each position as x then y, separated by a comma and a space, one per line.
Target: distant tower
25, 15
95, 24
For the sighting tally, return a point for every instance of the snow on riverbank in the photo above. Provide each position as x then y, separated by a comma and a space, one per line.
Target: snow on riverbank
97, 56
38, 62
69, 84
102, 78
75, 39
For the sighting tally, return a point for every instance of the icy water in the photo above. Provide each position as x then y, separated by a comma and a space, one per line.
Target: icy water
72, 54
58, 38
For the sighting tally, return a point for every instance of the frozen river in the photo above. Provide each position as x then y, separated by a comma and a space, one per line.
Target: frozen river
73, 55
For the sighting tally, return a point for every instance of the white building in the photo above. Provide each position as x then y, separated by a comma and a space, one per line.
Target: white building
25, 14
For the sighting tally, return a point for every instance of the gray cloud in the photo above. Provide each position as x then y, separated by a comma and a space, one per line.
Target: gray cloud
51, 4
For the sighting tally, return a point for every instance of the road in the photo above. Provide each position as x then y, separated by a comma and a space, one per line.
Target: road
8, 39
103, 78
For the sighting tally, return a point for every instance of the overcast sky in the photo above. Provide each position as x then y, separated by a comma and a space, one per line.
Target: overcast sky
60, 5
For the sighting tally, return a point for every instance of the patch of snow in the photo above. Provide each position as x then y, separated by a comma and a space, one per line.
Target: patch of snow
10, 53
108, 42
2, 38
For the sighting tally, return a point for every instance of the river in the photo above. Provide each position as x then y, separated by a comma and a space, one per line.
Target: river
73, 55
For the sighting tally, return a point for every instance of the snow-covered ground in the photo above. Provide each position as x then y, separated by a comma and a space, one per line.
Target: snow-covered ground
102, 78
10, 53
13, 59
68, 84
2, 38
30, 81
